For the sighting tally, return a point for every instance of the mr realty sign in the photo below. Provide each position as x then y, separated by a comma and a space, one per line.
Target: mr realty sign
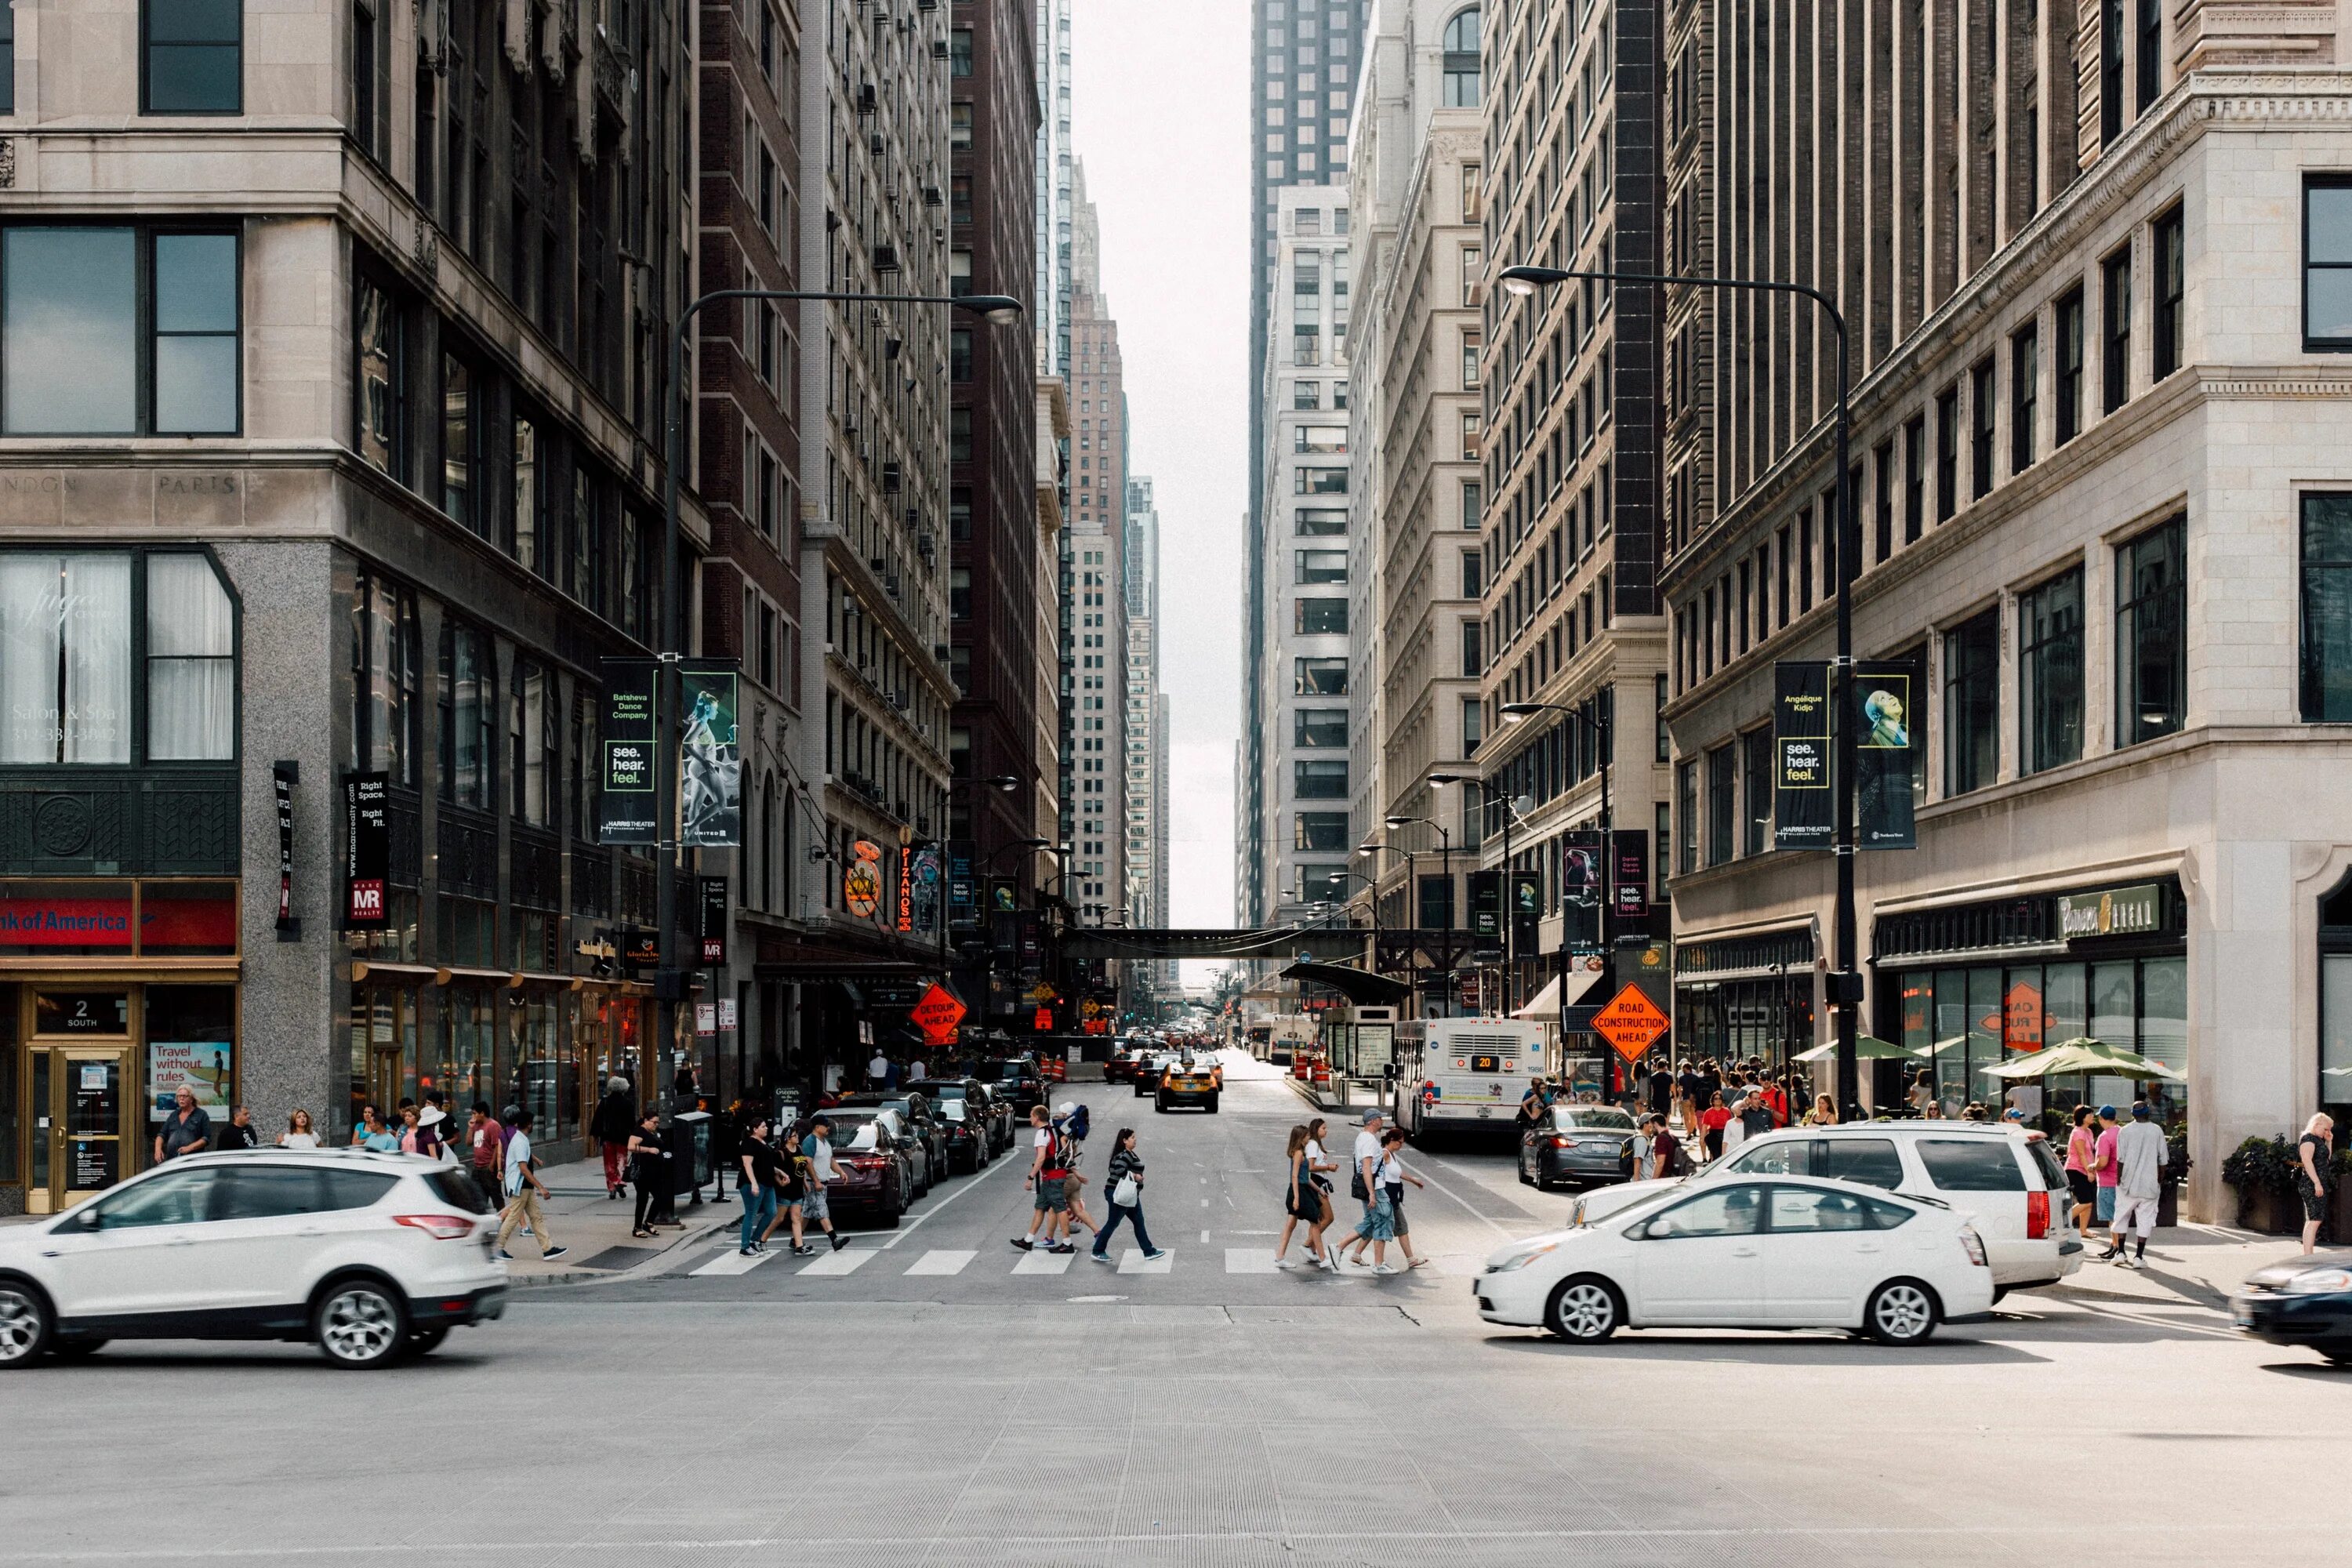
367, 851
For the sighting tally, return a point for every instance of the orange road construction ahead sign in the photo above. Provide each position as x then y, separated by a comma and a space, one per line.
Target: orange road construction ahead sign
1630, 1022
936, 1014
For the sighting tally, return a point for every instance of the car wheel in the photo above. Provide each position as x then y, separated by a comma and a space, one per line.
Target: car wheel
1584, 1310
359, 1323
425, 1342
1901, 1312
26, 1325
1525, 1179
1160, 1103
1213, 1105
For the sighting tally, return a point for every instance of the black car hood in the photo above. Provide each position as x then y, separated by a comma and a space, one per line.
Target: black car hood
2272, 1277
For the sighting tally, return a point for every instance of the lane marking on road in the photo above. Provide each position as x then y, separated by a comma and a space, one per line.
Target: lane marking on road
907, 1226
848, 1260
940, 1260
1249, 1260
1425, 1164
734, 1263
1132, 1261
1044, 1263
1204, 1238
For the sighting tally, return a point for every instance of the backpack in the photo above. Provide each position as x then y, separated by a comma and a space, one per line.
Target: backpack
1076, 1125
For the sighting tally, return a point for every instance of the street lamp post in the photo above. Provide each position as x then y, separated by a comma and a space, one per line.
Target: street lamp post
1604, 743
668, 977
1524, 282
1412, 917
1504, 891
1337, 881
1445, 869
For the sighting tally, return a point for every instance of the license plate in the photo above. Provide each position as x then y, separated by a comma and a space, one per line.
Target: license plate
1486, 1110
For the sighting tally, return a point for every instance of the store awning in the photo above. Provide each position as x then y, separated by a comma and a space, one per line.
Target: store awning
1360, 986
1543, 1007
1577, 1020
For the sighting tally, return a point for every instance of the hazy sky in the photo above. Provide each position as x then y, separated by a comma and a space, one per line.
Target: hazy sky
1160, 113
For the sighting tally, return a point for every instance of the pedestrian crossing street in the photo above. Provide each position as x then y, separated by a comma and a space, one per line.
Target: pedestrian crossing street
950, 1261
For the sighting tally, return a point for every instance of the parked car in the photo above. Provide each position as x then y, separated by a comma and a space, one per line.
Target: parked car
918, 1127
989, 1111
1018, 1080
370, 1256
1790, 1253
873, 1167
2305, 1301
1577, 1146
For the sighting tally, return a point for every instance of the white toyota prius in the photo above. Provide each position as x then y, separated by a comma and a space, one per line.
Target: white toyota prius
1790, 1253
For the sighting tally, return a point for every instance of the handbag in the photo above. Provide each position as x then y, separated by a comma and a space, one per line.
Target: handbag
1126, 1193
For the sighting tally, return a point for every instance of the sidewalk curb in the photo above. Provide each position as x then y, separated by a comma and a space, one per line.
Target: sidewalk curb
647, 1269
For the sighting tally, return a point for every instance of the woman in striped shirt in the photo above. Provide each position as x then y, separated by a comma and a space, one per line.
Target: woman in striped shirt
1123, 1180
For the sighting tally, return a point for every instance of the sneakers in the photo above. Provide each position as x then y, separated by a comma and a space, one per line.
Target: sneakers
746, 1251
1099, 1256
1156, 1253
1287, 1262
505, 1257
1024, 1244
1062, 1248
553, 1253
1384, 1268
839, 1240
1332, 1253
2124, 1260
804, 1250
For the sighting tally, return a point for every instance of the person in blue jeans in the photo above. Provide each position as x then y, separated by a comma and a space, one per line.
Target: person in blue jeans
1125, 1165
762, 1167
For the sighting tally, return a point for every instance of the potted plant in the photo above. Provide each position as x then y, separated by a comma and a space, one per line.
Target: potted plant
2262, 1169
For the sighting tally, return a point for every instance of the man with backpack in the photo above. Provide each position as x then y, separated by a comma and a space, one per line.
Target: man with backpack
524, 1191
1665, 1151
1048, 1180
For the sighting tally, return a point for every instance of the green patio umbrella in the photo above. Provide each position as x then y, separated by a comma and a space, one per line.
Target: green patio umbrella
1866, 1048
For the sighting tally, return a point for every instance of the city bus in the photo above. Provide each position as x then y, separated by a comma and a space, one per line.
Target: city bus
1462, 1076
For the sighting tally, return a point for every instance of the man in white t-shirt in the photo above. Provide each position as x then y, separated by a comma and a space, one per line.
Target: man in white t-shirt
915, 1073
1367, 1157
877, 1071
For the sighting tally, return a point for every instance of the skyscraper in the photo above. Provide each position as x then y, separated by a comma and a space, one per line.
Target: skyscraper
1094, 640
1145, 719
1056, 167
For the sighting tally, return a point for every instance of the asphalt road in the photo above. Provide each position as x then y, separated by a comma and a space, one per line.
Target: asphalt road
942, 1401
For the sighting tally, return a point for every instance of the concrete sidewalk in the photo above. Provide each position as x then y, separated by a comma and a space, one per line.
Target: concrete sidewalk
595, 1230
2194, 1265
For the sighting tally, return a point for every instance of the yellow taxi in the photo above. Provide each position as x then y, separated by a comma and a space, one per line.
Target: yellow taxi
1189, 1081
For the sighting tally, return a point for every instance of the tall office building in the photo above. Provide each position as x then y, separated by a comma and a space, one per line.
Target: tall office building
1302, 91
1094, 640
2099, 513
1055, 172
1416, 168
1145, 721
1569, 443
1297, 715
992, 523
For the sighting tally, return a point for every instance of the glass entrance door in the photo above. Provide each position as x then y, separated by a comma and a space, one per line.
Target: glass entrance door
82, 1137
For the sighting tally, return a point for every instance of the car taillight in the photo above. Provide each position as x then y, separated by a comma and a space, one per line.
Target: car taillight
1563, 1143
1973, 1245
2037, 1216
439, 1227
867, 1162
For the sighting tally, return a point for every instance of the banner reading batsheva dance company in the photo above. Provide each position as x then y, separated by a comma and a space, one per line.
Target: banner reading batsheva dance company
710, 797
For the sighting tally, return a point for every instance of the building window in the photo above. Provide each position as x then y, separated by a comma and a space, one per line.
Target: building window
2151, 52
1972, 704
960, 354
2024, 396
1320, 566
1473, 493
1686, 817
1320, 520
2151, 634
1915, 479
1470, 429
1981, 412
458, 454
2050, 673
468, 716
1756, 789
1319, 617
2327, 263
531, 754
2171, 293
190, 56
387, 667
1473, 715
2069, 389
1471, 341
2114, 304
1460, 85
118, 332
1473, 582
1319, 482
1319, 677
1320, 779
380, 357
2111, 70
1319, 727
77, 629
960, 51
2327, 608
1948, 452
7, 57
523, 523
1321, 830
1472, 637
1881, 512
1721, 766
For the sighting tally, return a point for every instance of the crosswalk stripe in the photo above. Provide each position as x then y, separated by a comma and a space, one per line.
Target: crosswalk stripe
942, 1261
1250, 1261
734, 1262
848, 1260
1132, 1261
1044, 1263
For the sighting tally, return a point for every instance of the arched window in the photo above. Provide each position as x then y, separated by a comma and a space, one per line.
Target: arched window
1461, 65
768, 843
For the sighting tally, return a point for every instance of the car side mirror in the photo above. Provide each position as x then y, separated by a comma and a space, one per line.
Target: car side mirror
91, 1218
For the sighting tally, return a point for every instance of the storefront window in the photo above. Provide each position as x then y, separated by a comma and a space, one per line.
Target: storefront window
191, 1040
468, 716
384, 1051
469, 1065
385, 671
65, 659
2335, 1035
190, 662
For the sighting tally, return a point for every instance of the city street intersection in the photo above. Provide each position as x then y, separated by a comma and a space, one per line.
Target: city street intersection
930, 1396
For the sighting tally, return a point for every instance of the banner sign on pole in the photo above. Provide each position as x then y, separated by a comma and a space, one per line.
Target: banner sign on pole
625, 802
1886, 752
367, 852
283, 775
1580, 868
712, 927
1487, 910
963, 887
927, 888
1632, 874
1801, 801
710, 788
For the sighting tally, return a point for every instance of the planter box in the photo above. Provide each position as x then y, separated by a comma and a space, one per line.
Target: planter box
2167, 1204
2273, 1213
2339, 1213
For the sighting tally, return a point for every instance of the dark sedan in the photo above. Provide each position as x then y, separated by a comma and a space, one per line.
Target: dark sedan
2306, 1301
1577, 1146
874, 1174
989, 1110
1018, 1081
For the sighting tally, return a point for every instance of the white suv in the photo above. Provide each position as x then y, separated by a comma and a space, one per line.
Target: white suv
371, 1255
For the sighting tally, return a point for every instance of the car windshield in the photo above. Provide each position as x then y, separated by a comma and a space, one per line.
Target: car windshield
1010, 1069
946, 1093
1593, 1117
951, 1110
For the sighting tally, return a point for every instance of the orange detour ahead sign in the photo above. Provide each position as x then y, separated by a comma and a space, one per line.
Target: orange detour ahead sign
936, 1014
1630, 1022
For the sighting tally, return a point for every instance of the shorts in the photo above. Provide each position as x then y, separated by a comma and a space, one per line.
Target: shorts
1052, 1196
814, 1207
2128, 1210
2085, 1191
2106, 1201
